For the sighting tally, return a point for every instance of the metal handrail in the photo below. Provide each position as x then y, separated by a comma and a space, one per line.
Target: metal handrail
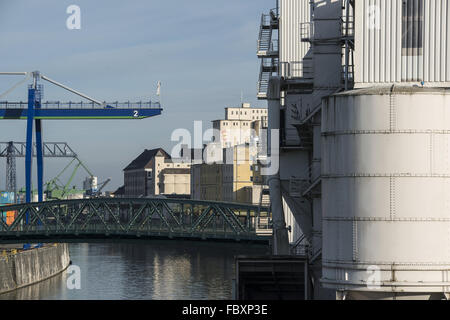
306, 176
78, 217
271, 47
306, 31
83, 105
350, 72
262, 83
296, 69
269, 62
350, 26
301, 243
266, 18
301, 181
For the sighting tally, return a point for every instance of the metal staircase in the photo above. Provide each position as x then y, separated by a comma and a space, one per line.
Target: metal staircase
304, 187
306, 136
300, 247
267, 51
264, 223
348, 39
267, 47
264, 198
269, 67
305, 125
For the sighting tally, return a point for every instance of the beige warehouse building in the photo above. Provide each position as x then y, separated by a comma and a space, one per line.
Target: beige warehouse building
154, 173
241, 125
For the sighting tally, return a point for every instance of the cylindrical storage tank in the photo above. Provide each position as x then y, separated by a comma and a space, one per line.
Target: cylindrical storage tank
386, 192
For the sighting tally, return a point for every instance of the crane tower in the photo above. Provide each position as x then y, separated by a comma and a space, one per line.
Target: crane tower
36, 110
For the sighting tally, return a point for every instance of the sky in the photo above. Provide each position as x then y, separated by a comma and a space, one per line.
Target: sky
202, 51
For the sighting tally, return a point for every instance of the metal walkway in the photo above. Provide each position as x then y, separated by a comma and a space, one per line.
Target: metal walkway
81, 110
143, 218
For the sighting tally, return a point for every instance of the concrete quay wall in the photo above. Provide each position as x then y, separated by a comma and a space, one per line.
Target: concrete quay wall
28, 267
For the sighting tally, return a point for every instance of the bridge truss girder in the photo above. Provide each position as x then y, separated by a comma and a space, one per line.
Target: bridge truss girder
136, 218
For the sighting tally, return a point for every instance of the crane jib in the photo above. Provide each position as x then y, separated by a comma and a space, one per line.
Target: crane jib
61, 114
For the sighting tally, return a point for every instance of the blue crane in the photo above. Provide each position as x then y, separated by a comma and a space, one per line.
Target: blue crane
35, 110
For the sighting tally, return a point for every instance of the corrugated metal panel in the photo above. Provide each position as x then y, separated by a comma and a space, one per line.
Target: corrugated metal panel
292, 14
380, 56
296, 231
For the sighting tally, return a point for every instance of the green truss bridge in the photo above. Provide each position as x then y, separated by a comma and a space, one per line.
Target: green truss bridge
106, 219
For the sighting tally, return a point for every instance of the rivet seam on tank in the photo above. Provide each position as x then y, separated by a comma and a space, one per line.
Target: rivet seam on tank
392, 113
392, 198
431, 153
355, 240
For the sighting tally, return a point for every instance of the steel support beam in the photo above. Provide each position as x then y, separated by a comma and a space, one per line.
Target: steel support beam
29, 145
39, 153
11, 177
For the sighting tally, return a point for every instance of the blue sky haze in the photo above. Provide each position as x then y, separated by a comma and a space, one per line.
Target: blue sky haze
203, 52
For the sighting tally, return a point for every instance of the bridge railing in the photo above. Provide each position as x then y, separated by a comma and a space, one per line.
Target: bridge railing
137, 217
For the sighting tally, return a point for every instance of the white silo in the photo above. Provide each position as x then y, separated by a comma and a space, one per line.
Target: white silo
386, 157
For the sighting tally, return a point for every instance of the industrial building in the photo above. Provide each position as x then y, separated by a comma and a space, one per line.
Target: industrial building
240, 126
229, 168
154, 173
238, 179
359, 93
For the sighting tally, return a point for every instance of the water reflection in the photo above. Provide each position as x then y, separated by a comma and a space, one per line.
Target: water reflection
153, 270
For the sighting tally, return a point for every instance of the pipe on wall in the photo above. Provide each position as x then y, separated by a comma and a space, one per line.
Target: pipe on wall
280, 231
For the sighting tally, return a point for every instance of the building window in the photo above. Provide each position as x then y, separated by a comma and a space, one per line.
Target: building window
412, 27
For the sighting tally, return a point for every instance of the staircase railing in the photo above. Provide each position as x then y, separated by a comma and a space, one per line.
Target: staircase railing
265, 33
270, 46
297, 184
300, 247
310, 113
268, 67
306, 31
296, 69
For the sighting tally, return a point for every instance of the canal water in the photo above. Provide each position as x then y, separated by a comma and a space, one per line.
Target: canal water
157, 270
